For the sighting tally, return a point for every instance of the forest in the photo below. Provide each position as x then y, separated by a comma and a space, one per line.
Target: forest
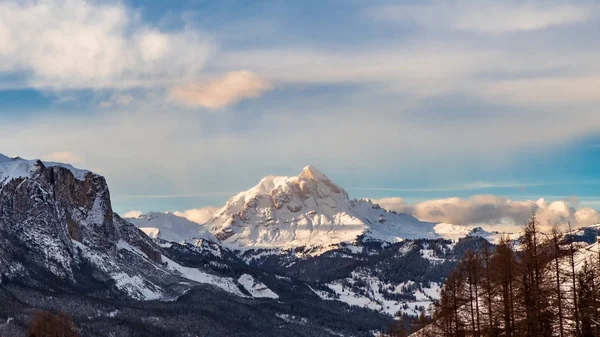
541, 284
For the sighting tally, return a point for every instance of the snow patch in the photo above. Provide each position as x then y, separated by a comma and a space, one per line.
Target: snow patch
194, 274
256, 288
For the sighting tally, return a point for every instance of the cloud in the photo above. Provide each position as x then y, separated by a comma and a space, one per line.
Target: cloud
426, 68
117, 100
132, 214
74, 44
222, 91
549, 90
485, 16
495, 213
198, 215
65, 99
63, 157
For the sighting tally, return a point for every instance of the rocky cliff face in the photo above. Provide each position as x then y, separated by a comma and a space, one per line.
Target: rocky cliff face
56, 223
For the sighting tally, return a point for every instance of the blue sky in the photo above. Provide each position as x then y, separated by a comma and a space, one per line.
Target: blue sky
181, 104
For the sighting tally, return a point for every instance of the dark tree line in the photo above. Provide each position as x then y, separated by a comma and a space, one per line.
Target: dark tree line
47, 324
539, 285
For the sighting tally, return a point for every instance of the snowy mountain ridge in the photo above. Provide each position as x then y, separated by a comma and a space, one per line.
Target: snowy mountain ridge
14, 168
170, 227
308, 210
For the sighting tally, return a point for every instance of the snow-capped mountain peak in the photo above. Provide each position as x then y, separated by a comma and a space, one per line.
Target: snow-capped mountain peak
307, 210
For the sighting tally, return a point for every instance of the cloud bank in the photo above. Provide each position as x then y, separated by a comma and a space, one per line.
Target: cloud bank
495, 213
132, 214
198, 215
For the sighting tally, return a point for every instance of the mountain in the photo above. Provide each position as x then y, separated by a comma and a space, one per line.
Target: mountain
62, 248
170, 227
308, 211
57, 227
306, 228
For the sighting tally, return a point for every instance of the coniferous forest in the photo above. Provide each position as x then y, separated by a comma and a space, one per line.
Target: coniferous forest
541, 284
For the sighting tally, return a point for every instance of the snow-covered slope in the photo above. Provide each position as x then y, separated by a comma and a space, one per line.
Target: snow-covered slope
454, 232
308, 211
170, 227
14, 168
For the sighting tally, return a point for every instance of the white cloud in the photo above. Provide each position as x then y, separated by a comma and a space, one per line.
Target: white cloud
495, 213
541, 76
65, 99
63, 157
222, 91
485, 16
132, 214
71, 44
198, 215
117, 100
546, 91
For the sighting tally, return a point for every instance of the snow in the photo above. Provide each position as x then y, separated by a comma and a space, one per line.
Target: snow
152, 232
256, 288
137, 287
375, 300
15, 168
322, 294
285, 213
309, 211
292, 319
170, 227
451, 231
194, 274
10, 319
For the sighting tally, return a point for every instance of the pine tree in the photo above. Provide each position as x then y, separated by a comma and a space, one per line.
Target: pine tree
503, 271
46, 324
556, 234
574, 282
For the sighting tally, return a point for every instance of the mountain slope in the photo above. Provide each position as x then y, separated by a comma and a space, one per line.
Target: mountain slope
169, 227
63, 219
62, 248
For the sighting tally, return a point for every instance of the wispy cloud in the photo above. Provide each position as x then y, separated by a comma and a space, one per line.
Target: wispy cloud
485, 16
478, 185
63, 157
173, 196
117, 100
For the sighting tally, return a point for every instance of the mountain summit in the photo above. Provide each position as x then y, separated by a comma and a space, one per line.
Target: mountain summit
308, 210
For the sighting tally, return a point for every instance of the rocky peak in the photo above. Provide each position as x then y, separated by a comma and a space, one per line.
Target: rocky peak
57, 223
311, 172
308, 210
79, 200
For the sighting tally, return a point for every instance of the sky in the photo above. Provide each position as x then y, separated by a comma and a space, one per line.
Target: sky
182, 104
